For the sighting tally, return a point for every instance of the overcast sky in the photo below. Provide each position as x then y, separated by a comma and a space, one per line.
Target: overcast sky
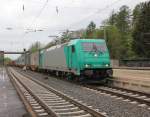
52, 16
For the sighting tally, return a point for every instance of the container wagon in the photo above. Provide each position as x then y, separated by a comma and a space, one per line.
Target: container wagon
20, 62
34, 60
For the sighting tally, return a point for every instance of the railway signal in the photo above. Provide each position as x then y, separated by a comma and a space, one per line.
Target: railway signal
1, 58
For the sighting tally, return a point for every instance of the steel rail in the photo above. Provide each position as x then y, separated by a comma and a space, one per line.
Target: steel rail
87, 109
30, 99
21, 95
119, 94
127, 94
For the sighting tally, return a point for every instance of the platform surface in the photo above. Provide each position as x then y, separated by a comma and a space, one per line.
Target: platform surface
143, 75
10, 103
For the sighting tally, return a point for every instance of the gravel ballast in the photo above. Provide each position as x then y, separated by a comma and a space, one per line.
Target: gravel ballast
105, 103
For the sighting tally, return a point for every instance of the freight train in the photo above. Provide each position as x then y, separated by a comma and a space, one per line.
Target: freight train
79, 59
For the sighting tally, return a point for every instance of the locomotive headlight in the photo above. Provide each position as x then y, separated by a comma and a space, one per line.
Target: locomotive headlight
86, 65
95, 55
106, 65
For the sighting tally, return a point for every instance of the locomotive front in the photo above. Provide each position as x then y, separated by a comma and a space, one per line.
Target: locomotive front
94, 58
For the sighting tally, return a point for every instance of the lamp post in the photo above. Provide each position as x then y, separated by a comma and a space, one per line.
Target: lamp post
104, 33
1, 58
24, 50
104, 28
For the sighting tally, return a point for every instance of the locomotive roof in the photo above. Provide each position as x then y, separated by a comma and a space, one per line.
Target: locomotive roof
72, 42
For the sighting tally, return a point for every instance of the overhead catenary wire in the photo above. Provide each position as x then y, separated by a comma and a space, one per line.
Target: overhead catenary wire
36, 17
97, 12
74, 23
39, 13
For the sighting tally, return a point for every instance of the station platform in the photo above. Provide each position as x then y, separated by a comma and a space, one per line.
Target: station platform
143, 75
10, 103
138, 80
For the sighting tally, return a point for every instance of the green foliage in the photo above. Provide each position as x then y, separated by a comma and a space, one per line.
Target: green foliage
65, 36
90, 31
112, 19
122, 21
7, 60
141, 26
35, 47
113, 41
136, 13
117, 31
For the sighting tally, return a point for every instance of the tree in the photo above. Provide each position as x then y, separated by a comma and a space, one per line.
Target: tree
114, 42
112, 18
113, 38
141, 16
7, 60
136, 13
122, 21
90, 30
34, 47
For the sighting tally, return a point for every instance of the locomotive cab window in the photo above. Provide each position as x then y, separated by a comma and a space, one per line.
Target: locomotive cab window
92, 46
73, 48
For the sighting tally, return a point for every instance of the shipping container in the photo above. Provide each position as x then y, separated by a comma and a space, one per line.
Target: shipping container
34, 60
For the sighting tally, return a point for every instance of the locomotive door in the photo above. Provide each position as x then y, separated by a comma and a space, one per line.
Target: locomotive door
70, 57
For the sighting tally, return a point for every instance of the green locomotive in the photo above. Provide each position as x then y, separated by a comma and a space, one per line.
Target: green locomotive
80, 59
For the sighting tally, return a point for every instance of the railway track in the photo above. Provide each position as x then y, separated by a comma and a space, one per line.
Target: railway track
44, 101
127, 95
